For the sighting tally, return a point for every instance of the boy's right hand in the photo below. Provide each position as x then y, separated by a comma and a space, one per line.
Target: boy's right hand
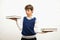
15, 19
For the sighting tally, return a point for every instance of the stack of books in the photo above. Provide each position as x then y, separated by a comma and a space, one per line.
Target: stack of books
13, 17
49, 29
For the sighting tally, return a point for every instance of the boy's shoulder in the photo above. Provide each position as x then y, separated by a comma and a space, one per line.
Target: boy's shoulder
34, 17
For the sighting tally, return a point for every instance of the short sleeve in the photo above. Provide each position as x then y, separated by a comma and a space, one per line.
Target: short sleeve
37, 27
20, 22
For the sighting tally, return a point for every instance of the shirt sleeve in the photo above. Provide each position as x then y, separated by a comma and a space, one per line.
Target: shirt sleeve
37, 27
20, 23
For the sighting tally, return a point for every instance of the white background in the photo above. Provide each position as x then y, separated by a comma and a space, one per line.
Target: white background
46, 11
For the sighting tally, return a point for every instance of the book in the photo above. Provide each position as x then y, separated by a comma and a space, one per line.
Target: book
49, 29
13, 17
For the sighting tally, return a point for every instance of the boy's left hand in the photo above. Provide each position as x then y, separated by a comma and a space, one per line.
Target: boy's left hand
42, 32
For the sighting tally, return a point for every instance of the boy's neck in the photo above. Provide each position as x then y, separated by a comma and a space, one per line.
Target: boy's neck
29, 16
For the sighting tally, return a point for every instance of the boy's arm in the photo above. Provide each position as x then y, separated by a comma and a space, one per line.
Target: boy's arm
38, 28
18, 25
16, 20
43, 30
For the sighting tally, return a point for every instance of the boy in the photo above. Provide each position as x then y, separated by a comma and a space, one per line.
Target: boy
28, 32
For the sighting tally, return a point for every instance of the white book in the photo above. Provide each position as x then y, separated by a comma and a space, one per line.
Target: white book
49, 29
14, 16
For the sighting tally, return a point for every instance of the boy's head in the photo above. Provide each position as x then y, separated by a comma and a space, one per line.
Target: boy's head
29, 9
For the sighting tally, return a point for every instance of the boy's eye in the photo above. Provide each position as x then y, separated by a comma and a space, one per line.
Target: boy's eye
27, 10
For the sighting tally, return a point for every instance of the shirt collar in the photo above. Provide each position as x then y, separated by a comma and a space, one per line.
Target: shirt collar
29, 17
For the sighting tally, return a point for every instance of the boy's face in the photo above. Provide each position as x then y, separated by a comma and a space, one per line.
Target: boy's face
29, 12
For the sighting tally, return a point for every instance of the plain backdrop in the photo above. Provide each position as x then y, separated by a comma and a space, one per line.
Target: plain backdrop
47, 13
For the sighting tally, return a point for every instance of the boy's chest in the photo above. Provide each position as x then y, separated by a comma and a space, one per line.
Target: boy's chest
32, 21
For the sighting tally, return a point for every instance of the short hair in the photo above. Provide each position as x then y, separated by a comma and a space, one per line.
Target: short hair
29, 6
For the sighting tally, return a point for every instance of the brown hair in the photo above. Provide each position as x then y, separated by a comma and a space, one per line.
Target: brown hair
29, 6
